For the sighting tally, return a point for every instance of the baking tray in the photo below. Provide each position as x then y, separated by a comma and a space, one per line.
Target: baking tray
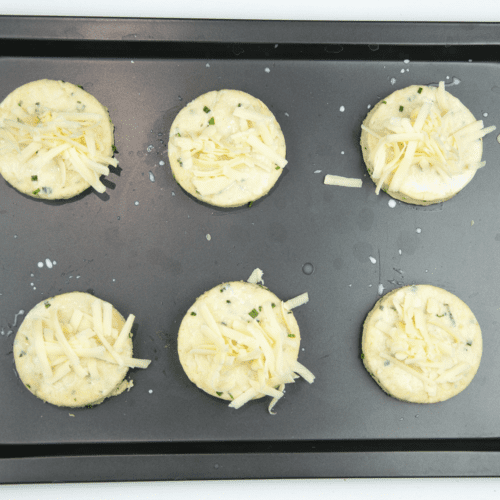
143, 246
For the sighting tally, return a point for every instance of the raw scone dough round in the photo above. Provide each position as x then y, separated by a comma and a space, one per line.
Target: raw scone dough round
79, 370
421, 344
238, 342
56, 140
226, 148
421, 145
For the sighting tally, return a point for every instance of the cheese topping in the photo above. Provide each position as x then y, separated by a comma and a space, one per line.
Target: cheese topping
430, 131
78, 343
427, 334
235, 343
45, 133
226, 148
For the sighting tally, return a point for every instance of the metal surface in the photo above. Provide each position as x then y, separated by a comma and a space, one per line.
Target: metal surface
143, 246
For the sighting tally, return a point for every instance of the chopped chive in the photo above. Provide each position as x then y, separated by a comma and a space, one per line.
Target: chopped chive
385, 102
420, 90
273, 305
230, 395
211, 121
36, 191
469, 343
291, 335
401, 108
228, 301
277, 167
113, 147
206, 109
179, 161
178, 134
440, 315
80, 86
47, 304
193, 314
260, 308
250, 204
362, 355
253, 313
239, 105
28, 386
34, 177
218, 393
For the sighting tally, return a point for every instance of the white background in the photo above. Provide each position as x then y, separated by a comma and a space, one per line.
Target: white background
323, 10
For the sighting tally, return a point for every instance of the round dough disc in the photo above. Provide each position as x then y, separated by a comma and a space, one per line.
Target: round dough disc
421, 344
71, 390
233, 305
422, 185
34, 110
209, 154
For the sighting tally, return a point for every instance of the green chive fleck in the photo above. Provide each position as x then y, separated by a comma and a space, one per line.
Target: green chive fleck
253, 313
420, 90
28, 386
178, 134
47, 304
206, 109
193, 314
80, 86
230, 395
291, 335
401, 108
277, 167
179, 161
36, 191
469, 343
239, 105
228, 301
440, 315
362, 355
113, 147
218, 393
273, 305
211, 121
250, 204
19, 103
34, 177
385, 102
260, 308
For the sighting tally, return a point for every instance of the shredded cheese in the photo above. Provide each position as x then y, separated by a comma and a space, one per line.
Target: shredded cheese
337, 180
432, 137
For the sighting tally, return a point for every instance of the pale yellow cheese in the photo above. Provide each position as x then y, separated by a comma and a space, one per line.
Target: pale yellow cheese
226, 148
422, 145
234, 343
56, 140
421, 344
65, 354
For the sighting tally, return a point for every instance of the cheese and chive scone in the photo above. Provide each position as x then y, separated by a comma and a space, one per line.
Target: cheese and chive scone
421, 145
75, 350
226, 148
238, 342
421, 344
56, 140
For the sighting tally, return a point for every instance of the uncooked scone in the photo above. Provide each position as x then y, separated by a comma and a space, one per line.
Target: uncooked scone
239, 341
421, 344
421, 145
56, 140
75, 350
226, 148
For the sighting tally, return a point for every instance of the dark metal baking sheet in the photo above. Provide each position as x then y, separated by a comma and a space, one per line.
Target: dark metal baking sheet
143, 246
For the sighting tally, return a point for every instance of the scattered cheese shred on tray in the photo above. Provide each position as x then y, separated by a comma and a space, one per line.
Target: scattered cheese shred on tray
337, 180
